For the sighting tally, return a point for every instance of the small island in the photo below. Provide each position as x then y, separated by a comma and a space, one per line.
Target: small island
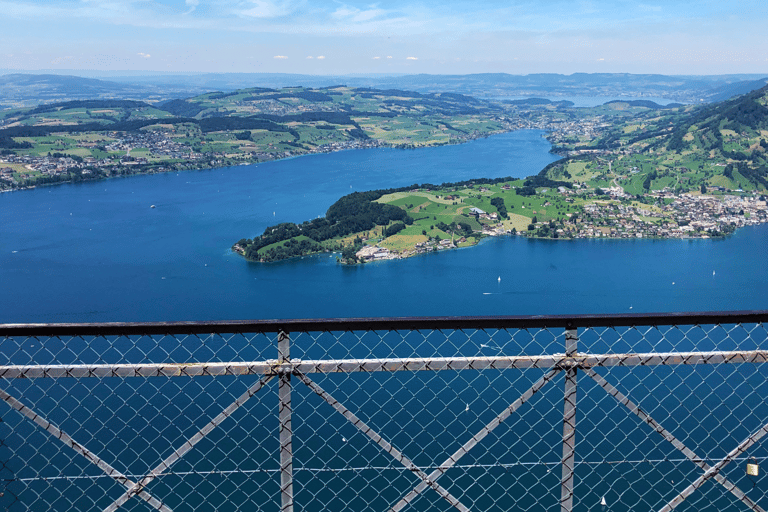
420, 219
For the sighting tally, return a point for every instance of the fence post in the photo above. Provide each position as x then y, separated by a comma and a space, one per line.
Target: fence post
569, 422
286, 431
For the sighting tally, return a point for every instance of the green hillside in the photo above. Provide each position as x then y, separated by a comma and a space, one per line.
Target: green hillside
722, 147
90, 139
397, 117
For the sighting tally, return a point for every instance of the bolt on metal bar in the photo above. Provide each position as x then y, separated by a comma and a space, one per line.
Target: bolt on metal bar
385, 445
715, 470
188, 445
666, 434
569, 424
286, 429
82, 450
477, 438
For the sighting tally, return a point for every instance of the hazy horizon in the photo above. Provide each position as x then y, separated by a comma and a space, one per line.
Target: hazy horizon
105, 74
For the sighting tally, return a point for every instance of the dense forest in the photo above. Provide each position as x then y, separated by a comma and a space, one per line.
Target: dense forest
351, 214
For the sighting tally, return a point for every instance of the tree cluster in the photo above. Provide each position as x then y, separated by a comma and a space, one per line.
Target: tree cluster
351, 214
182, 108
303, 95
53, 107
648, 179
290, 249
498, 202
394, 229
7, 142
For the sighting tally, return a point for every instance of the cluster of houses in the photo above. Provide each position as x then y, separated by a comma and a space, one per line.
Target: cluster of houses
560, 130
53, 166
347, 144
156, 142
375, 253
282, 108
687, 216
483, 215
6, 175
706, 212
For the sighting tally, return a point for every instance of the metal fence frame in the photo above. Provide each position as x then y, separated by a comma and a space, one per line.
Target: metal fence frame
570, 362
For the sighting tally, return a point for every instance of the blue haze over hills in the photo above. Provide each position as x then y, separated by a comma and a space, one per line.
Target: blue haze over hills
58, 85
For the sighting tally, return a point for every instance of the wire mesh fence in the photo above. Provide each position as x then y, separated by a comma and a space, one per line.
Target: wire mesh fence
608, 413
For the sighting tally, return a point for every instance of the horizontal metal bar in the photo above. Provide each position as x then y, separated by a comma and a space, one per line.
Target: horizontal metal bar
383, 324
382, 365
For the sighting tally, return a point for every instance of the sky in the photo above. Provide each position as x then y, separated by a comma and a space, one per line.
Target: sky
677, 37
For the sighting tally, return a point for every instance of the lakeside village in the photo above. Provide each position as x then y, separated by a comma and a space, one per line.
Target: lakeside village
160, 154
160, 151
681, 216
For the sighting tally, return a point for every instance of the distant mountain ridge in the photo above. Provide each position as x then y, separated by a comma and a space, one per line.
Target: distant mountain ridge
20, 89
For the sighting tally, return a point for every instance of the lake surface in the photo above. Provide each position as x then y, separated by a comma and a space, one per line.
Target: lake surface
98, 252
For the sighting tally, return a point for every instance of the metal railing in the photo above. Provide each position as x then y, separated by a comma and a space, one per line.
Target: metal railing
599, 412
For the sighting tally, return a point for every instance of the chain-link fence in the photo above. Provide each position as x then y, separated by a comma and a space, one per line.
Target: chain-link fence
606, 413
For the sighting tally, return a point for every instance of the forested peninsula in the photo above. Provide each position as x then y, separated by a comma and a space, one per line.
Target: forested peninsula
403, 222
632, 170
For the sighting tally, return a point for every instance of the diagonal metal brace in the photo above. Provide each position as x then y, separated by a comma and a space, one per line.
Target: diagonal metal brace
385, 445
715, 470
474, 441
82, 450
188, 445
690, 455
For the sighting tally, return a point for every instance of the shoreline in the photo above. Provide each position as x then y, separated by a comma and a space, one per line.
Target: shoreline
486, 239
372, 144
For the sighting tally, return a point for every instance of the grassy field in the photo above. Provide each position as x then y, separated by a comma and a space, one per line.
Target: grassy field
433, 209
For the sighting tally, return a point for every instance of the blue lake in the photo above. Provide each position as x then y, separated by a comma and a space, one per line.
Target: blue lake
98, 252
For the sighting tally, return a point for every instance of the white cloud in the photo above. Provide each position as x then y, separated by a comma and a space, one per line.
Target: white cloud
265, 9
144, 55
279, 57
376, 58
321, 57
389, 56
411, 58
354, 15
308, 56
192, 5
